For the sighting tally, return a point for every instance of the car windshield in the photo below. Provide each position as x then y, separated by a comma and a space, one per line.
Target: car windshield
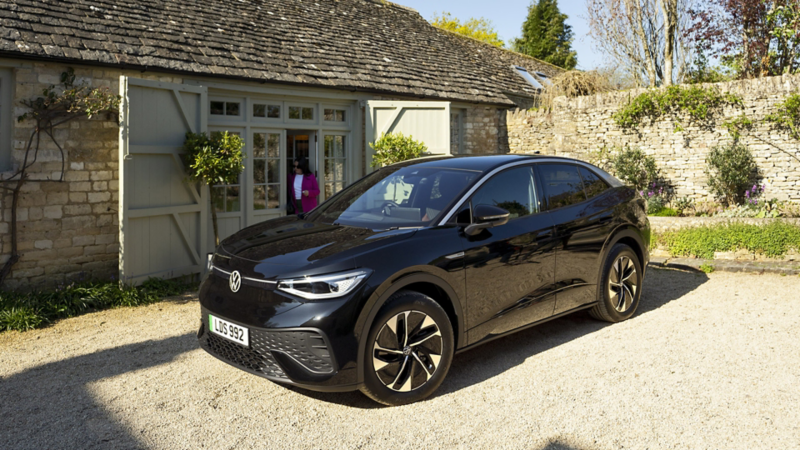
395, 197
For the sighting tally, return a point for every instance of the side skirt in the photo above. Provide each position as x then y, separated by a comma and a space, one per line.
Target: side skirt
525, 327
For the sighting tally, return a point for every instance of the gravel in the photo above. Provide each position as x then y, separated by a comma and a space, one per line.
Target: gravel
709, 361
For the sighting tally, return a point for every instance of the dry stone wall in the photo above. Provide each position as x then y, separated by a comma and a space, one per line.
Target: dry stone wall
70, 229
579, 127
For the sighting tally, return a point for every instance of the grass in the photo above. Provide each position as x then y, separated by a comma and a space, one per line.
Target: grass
772, 240
706, 268
24, 311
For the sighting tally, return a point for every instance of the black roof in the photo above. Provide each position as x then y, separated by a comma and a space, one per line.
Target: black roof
368, 45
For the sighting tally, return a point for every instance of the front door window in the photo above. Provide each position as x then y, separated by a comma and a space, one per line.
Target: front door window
266, 171
335, 160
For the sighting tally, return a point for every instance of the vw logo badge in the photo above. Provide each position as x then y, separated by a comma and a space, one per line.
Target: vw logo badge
235, 281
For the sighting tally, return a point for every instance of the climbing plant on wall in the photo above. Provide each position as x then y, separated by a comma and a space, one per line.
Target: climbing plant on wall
56, 106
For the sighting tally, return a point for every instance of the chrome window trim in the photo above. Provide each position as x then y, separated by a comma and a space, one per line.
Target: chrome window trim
497, 170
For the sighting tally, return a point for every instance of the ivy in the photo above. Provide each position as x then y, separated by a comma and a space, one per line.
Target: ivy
787, 117
700, 104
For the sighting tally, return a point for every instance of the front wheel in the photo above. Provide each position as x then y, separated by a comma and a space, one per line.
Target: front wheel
620, 286
409, 350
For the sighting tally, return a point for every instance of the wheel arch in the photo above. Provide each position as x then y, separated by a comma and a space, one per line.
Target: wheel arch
630, 236
426, 283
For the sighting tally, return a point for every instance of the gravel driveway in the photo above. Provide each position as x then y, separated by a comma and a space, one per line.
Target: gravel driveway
707, 362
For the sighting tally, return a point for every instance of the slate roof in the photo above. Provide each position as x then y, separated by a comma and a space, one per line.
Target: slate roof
366, 45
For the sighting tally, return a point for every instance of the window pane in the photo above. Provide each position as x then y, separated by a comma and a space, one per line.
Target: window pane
231, 109
329, 115
274, 147
274, 111
308, 113
218, 198
563, 184
259, 197
218, 108
274, 171
592, 184
232, 199
260, 110
259, 143
334, 147
328, 190
340, 115
294, 112
512, 190
259, 171
274, 195
334, 115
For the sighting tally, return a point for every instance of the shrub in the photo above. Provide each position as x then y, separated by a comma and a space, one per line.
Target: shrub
214, 160
25, 311
664, 212
731, 171
394, 147
772, 240
635, 168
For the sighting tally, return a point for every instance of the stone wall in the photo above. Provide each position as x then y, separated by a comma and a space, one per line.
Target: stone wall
578, 127
66, 230
485, 131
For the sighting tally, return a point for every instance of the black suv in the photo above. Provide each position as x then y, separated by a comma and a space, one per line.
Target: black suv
379, 286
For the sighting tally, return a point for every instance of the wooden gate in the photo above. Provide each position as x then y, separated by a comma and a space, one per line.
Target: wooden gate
163, 219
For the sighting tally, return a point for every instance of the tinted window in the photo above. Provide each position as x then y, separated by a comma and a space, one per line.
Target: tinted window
512, 190
563, 184
592, 184
395, 197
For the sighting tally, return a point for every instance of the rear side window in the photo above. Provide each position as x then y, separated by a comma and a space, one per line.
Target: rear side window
562, 184
512, 190
592, 184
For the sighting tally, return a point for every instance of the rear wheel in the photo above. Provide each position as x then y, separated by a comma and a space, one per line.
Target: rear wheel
619, 289
409, 350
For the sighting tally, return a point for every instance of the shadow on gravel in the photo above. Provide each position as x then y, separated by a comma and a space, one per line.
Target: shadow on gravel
50, 406
489, 360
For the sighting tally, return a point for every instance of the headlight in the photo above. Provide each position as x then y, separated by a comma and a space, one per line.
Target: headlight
324, 286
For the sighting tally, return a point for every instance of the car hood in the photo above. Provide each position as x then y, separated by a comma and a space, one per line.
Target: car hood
290, 241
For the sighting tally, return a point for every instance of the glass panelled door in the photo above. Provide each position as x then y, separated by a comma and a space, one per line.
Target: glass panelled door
334, 164
268, 164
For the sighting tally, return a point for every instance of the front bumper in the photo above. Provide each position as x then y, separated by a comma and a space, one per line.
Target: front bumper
310, 345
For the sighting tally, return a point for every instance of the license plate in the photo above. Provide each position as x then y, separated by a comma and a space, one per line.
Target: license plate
229, 331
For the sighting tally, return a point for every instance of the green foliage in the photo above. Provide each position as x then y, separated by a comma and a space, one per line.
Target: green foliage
664, 212
706, 268
23, 311
683, 205
697, 103
787, 117
731, 171
736, 125
702, 71
635, 168
547, 36
480, 29
394, 147
214, 160
70, 99
772, 240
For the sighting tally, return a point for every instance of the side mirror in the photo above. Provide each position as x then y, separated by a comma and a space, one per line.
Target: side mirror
486, 216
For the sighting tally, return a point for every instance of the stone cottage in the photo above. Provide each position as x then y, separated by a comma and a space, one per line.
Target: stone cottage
293, 78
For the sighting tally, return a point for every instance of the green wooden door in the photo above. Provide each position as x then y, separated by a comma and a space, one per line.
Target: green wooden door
163, 219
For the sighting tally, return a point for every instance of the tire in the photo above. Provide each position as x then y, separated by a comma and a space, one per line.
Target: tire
617, 301
406, 372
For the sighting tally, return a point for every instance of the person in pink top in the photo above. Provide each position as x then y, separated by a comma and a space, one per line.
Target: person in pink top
303, 187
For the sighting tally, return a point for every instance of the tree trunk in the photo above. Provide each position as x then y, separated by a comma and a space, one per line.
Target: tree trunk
213, 216
634, 8
670, 10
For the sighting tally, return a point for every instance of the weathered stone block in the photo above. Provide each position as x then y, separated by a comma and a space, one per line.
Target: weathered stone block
43, 244
53, 212
97, 197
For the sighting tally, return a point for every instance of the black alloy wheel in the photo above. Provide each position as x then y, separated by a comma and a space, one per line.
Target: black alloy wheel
409, 350
619, 289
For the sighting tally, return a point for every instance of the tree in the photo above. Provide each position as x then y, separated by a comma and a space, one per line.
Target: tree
480, 29
58, 105
214, 160
753, 37
646, 38
546, 36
